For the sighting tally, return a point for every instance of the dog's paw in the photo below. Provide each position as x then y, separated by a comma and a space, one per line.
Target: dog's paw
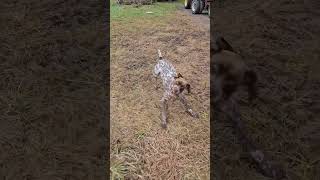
197, 116
193, 114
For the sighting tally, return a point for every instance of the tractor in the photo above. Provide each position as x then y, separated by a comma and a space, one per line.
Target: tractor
197, 6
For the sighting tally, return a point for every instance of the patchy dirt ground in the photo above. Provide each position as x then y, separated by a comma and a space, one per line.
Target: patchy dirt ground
280, 40
200, 19
140, 148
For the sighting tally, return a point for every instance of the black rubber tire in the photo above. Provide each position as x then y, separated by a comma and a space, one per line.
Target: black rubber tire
195, 6
187, 4
201, 5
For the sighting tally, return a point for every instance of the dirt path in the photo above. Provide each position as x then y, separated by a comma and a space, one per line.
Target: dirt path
140, 148
200, 19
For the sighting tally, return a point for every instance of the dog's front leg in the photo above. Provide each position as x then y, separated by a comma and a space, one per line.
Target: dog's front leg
231, 108
164, 112
156, 83
183, 100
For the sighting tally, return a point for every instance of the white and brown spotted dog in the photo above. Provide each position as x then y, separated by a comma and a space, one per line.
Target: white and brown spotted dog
174, 85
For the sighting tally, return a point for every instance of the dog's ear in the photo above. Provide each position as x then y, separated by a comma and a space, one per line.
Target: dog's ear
178, 76
188, 87
220, 44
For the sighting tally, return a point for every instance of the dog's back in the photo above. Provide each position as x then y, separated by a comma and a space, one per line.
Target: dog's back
165, 70
230, 62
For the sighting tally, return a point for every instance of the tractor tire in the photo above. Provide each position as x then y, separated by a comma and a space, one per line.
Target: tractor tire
187, 4
202, 5
195, 6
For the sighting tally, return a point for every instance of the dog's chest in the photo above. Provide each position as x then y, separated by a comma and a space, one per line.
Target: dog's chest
167, 73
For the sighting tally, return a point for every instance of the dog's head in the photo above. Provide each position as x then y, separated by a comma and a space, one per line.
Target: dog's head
219, 44
180, 85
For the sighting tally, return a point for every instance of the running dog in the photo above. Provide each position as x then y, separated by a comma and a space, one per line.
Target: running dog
174, 85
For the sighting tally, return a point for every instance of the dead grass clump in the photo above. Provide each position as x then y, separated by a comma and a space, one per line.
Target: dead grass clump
160, 155
172, 158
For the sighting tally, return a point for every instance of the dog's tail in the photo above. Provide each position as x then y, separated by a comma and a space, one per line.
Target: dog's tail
159, 54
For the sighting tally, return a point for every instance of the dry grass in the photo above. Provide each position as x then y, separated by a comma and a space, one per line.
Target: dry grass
140, 148
137, 2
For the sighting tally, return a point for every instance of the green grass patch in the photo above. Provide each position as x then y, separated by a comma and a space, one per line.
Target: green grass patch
129, 12
141, 135
118, 171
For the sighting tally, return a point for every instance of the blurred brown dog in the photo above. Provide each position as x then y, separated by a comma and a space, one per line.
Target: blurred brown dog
230, 72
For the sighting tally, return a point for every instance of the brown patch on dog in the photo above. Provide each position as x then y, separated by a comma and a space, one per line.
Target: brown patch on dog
188, 88
182, 84
178, 76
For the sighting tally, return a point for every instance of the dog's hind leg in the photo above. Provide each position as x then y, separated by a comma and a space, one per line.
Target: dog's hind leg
156, 82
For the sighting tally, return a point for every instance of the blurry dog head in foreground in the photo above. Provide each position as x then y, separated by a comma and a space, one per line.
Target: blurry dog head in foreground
230, 71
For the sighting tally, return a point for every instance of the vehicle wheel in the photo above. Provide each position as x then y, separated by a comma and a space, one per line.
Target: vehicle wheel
201, 6
187, 4
195, 6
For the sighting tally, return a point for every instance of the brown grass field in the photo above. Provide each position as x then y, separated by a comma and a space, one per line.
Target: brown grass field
140, 148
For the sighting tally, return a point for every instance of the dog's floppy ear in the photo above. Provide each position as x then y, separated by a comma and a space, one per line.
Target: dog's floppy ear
188, 87
178, 76
221, 44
